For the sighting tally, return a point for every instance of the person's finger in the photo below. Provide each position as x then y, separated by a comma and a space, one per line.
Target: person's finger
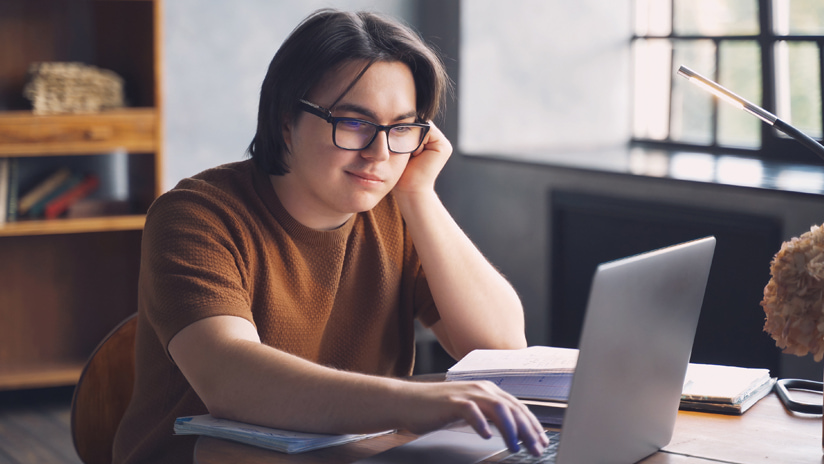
507, 425
529, 420
426, 139
476, 419
530, 437
534, 423
434, 140
526, 426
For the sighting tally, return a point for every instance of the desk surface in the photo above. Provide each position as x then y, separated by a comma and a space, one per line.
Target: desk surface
767, 433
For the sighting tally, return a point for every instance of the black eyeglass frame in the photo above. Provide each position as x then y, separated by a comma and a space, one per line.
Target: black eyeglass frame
326, 115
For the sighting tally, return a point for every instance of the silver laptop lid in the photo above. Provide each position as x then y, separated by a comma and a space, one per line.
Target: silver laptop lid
634, 350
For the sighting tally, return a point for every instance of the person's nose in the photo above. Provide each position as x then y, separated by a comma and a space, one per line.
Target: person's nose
378, 150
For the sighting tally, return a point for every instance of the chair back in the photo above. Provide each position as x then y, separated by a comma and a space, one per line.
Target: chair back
103, 393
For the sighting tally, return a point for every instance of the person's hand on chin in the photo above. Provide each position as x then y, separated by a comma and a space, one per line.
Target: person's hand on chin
425, 164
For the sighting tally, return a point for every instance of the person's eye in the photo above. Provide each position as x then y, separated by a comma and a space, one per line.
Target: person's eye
352, 125
402, 130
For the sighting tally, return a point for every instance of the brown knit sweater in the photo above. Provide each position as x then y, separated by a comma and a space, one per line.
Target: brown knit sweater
221, 243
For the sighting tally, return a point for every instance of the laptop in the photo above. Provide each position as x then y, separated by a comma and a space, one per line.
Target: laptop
635, 346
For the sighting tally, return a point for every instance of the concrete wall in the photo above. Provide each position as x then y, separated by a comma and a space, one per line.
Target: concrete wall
543, 75
215, 57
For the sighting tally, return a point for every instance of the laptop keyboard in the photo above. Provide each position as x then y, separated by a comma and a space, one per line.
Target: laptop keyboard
547, 457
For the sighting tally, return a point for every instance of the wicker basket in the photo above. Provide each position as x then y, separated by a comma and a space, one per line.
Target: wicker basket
72, 88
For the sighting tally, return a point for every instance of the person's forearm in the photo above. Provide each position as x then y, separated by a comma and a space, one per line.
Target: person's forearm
239, 378
291, 393
257, 384
478, 307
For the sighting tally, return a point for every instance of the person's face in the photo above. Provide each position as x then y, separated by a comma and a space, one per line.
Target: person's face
326, 184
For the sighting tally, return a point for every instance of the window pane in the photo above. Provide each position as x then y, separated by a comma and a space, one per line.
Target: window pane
739, 71
716, 17
798, 17
653, 17
691, 106
798, 82
652, 88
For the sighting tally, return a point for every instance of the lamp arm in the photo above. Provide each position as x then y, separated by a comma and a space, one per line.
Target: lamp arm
800, 137
755, 110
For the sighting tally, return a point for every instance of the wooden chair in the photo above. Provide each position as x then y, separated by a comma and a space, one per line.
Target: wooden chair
103, 393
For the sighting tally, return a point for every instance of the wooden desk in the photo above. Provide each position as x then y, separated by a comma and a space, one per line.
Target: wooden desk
767, 433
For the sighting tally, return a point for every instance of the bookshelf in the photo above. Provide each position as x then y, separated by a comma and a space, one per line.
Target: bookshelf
64, 283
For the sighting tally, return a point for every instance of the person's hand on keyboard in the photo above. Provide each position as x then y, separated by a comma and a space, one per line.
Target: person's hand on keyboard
429, 406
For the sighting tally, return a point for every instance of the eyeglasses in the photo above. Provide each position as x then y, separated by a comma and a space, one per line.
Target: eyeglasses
358, 134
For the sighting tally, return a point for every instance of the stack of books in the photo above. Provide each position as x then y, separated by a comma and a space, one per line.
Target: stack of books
544, 374
537, 373
285, 441
49, 198
724, 389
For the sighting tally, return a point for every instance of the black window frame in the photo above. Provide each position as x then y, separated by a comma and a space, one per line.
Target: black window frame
774, 146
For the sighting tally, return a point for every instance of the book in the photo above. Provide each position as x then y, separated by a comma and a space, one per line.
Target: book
4, 189
544, 374
14, 179
537, 372
725, 389
549, 413
285, 441
42, 189
37, 210
88, 207
57, 206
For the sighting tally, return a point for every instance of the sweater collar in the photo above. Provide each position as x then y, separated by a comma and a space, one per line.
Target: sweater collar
295, 229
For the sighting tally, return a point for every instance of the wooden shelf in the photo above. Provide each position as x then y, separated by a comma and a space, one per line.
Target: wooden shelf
23, 133
72, 226
68, 282
41, 376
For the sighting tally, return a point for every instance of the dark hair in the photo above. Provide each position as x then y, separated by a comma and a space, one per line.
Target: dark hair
324, 41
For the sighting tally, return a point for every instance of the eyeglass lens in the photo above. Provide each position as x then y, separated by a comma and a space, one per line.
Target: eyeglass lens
357, 135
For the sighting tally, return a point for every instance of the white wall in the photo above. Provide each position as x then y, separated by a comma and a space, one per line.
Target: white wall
215, 57
540, 76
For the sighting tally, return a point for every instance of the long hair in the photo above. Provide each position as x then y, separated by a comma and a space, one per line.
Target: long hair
324, 41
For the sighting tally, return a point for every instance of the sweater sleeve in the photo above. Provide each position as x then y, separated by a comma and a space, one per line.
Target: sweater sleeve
190, 265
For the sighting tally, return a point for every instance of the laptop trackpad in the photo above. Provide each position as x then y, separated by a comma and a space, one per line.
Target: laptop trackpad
446, 446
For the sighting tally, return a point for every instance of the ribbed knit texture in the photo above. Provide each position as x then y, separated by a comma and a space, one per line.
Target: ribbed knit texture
221, 243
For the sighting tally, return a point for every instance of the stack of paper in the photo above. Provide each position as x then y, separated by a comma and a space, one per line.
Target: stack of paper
284, 441
725, 389
545, 373
537, 372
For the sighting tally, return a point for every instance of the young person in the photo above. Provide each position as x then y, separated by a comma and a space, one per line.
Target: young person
282, 290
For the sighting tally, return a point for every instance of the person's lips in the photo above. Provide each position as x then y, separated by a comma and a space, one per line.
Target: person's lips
365, 177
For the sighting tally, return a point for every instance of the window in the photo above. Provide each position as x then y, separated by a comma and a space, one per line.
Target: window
768, 51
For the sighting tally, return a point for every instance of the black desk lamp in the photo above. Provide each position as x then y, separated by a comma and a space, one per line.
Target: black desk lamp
754, 110
783, 385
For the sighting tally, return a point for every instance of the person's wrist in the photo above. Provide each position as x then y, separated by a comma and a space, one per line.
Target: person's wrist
401, 402
409, 198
